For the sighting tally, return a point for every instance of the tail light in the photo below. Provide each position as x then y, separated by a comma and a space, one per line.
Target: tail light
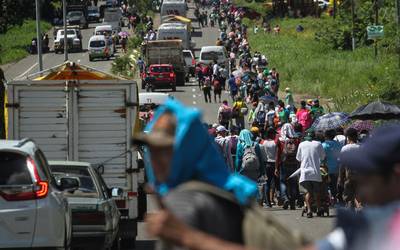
39, 190
193, 61
171, 75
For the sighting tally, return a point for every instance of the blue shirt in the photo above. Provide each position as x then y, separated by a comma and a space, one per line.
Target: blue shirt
332, 151
232, 84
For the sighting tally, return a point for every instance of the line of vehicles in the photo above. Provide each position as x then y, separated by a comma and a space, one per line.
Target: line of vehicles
77, 181
170, 60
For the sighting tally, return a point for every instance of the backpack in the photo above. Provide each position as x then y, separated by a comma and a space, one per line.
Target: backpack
226, 114
250, 163
261, 115
261, 230
270, 119
217, 84
289, 152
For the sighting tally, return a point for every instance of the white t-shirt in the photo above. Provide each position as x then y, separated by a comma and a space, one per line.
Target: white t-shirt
215, 69
310, 155
349, 147
268, 150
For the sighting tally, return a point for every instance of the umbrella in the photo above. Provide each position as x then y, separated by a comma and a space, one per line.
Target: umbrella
123, 33
237, 73
377, 110
268, 99
362, 125
330, 121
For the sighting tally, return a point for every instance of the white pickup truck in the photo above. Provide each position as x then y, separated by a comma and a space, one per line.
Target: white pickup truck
83, 120
74, 40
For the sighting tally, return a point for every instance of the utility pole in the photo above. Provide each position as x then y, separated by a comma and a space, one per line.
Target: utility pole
353, 40
65, 30
398, 29
39, 36
376, 23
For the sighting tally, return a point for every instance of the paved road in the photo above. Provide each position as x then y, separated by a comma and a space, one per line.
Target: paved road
29, 64
191, 95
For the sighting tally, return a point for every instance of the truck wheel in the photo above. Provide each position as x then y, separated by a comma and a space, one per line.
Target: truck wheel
143, 85
173, 88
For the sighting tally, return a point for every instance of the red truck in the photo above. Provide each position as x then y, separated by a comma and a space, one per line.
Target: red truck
159, 76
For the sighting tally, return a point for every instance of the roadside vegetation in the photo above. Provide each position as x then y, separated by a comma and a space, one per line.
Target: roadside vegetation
319, 60
15, 41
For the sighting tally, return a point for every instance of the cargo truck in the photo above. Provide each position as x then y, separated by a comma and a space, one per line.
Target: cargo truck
75, 113
166, 52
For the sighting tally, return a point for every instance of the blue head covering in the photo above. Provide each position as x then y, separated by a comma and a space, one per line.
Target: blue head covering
246, 138
195, 156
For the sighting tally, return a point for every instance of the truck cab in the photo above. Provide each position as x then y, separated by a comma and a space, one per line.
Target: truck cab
74, 40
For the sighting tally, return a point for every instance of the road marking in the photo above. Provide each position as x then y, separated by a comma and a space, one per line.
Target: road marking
194, 90
194, 103
27, 71
194, 96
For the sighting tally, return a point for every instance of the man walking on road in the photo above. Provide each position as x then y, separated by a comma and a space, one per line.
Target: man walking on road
224, 114
310, 155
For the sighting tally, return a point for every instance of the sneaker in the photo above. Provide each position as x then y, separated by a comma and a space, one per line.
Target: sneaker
309, 215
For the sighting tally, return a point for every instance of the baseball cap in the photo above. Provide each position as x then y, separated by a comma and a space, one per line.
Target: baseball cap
221, 128
378, 153
255, 130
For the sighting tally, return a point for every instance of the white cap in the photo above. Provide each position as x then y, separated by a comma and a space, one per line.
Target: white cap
215, 125
221, 129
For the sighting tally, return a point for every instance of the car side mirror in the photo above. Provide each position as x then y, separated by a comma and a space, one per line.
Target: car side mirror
69, 184
115, 192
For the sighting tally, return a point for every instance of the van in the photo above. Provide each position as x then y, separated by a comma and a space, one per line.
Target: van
105, 30
174, 7
210, 53
100, 46
175, 30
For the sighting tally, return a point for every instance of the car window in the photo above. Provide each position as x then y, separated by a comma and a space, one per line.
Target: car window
160, 69
111, 17
14, 169
212, 55
43, 165
75, 13
97, 44
69, 32
103, 185
87, 186
187, 55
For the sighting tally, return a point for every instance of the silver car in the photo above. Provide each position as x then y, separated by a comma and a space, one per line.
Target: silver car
95, 216
34, 213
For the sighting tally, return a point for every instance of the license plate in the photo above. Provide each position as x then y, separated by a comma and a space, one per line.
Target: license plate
160, 76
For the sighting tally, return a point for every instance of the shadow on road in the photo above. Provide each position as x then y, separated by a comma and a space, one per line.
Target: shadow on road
197, 34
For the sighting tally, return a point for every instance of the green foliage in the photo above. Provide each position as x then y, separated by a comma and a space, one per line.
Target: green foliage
15, 12
121, 66
348, 79
15, 42
336, 33
134, 42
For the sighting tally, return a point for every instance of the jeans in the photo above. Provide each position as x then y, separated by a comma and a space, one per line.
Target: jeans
240, 122
270, 172
207, 94
289, 187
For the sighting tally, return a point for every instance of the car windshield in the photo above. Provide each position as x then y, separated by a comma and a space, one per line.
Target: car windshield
187, 55
111, 17
75, 14
69, 32
93, 11
97, 44
87, 187
160, 69
212, 55
14, 169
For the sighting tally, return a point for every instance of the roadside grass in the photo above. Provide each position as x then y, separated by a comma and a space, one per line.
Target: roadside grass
15, 41
346, 79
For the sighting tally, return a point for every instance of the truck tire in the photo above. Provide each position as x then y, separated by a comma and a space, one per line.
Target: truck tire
143, 85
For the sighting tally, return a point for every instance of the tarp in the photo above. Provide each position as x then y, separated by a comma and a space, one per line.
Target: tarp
73, 71
182, 19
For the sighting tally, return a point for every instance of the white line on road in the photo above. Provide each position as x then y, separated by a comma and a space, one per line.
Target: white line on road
194, 96
27, 71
